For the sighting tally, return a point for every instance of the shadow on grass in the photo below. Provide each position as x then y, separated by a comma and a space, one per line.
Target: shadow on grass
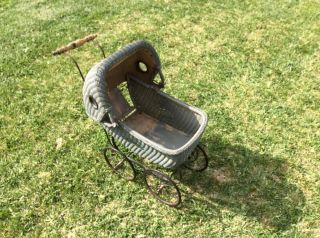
247, 182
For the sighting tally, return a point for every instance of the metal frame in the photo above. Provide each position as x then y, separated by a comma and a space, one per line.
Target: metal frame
166, 181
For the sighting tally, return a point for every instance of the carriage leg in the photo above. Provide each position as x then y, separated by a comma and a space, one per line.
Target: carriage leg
118, 162
160, 185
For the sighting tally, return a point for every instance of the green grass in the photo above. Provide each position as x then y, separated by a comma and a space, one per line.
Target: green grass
253, 66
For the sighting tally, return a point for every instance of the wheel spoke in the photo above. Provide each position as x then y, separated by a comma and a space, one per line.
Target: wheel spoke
160, 189
119, 165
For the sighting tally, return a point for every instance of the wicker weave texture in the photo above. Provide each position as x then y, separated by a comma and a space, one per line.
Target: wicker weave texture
148, 99
161, 106
95, 84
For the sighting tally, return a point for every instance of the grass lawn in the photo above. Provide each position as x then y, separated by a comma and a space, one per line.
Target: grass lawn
253, 66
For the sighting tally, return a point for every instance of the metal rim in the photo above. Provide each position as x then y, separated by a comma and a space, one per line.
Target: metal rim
165, 186
119, 164
198, 160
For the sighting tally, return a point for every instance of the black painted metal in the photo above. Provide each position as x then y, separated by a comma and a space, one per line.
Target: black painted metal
124, 160
166, 182
198, 155
77, 65
100, 47
118, 161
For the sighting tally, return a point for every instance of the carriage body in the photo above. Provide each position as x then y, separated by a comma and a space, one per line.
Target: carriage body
149, 122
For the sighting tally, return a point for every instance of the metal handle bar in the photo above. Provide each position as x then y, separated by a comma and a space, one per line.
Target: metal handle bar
76, 44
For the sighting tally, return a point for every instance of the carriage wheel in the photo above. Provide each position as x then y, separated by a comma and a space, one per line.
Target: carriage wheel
119, 163
162, 187
198, 160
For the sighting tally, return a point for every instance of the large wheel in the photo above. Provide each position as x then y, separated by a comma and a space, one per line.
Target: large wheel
198, 160
162, 187
119, 163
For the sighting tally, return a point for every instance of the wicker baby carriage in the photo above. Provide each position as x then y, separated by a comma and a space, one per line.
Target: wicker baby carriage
123, 94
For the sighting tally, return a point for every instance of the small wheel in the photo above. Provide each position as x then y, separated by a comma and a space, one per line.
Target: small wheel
198, 160
162, 187
119, 164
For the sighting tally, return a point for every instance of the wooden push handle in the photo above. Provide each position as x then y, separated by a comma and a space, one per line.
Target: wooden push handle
74, 44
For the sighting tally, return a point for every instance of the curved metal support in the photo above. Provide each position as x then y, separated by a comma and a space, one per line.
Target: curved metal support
160, 185
77, 65
177, 172
113, 143
100, 47
107, 135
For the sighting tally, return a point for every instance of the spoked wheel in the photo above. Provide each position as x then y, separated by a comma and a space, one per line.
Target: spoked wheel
198, 160
119, 163
162, 187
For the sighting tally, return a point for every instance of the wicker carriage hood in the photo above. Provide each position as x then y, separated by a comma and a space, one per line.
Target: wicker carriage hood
112, 71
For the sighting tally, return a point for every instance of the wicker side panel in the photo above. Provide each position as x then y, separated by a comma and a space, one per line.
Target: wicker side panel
95, 90
147, 152
157, 105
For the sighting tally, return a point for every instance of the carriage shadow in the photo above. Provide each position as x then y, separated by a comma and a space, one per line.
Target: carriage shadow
246, 182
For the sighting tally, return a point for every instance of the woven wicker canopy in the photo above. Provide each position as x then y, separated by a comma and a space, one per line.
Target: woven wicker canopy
102, 99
